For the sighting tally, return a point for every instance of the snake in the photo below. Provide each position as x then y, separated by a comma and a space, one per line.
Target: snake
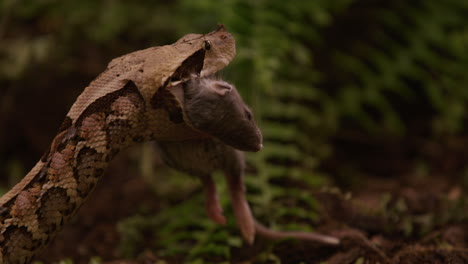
130, 102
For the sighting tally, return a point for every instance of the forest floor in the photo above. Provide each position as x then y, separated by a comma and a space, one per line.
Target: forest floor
405, 219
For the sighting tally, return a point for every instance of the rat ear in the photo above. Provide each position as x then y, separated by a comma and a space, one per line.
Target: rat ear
221, 88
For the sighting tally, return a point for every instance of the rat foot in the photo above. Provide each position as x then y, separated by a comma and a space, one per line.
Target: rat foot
241, 208
249, 226
246, 222
213, 207
242, 212
244, 217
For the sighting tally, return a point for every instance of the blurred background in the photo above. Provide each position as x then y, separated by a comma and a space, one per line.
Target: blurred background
363, 107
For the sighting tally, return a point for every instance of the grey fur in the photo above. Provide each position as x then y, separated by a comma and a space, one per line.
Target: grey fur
215, 107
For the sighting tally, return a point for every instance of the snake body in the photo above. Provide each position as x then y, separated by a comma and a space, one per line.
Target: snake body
128, 103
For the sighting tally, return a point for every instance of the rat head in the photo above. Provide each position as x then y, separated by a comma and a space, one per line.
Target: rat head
216, 108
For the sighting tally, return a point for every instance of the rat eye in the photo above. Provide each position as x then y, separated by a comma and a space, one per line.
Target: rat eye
248, 115
207, 44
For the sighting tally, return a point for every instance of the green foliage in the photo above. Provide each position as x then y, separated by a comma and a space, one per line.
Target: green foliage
309, 69
309, 66
373, 57
60, 29
404, 50
182, 230
401, 219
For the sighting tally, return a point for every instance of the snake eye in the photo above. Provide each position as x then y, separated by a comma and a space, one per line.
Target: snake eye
207, 44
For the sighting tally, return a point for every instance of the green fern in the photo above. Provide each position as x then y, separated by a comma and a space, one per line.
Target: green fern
292, 151
307, 67
310, 69
182, 230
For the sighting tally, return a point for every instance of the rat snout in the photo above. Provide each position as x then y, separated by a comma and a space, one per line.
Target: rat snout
260, 140
257, 148
257, 141
250, 148
251, 142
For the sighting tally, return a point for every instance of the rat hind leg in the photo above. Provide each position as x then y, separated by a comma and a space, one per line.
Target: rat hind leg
242, 212
213, 207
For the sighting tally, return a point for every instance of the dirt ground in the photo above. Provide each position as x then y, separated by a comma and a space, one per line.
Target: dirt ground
402, 219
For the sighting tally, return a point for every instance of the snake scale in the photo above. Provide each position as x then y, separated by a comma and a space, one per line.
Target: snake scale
130, 102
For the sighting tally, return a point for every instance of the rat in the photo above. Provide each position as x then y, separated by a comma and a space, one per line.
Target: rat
215, 107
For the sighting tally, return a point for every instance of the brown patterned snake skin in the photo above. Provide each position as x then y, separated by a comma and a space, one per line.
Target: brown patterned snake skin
129, 102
